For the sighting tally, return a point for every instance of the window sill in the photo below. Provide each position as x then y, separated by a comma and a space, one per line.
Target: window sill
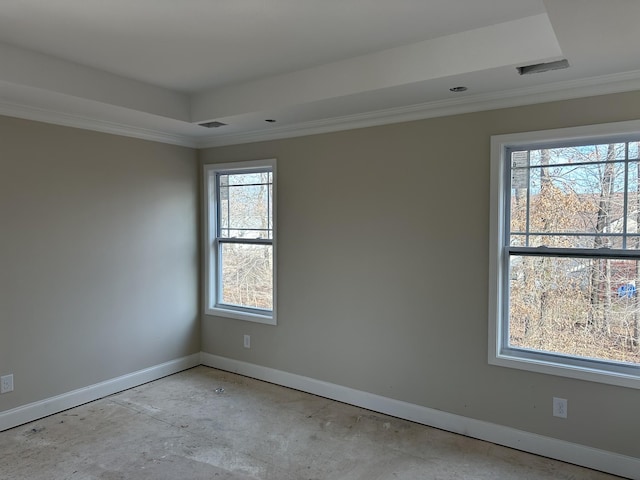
268, 319
570, 371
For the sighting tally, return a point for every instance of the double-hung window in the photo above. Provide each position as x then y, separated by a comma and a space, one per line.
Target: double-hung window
240, 240
565, 253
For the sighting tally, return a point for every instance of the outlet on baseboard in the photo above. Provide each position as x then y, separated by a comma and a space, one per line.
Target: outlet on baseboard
6, 383
247, 341
560, 407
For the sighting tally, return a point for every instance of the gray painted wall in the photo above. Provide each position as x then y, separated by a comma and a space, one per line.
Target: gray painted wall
383, 269
98, 257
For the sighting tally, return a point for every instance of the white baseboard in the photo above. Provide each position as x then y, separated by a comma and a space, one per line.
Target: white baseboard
49, 406
597, 459
577, 454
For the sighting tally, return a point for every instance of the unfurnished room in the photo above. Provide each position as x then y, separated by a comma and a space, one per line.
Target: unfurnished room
304, 239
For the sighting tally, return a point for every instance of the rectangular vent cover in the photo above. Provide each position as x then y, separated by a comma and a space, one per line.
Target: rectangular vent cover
214, 124
543, 67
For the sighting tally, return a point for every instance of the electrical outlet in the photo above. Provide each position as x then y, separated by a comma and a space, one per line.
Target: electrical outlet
6, 383
247, 341
560, 407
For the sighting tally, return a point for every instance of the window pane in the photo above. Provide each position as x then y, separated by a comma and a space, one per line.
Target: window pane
574, 200
578, 154
246, 205
586, 308
247, 275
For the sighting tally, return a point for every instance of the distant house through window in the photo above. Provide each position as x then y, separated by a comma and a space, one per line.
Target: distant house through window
566, 253
240, 240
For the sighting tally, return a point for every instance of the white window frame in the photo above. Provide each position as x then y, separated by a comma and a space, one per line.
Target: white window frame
499, 353
211, 304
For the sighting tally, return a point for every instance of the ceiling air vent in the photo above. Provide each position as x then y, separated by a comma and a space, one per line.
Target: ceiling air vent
543, 67
214, 124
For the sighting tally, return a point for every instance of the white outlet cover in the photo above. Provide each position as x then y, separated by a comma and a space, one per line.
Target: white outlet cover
560, 407
6, 383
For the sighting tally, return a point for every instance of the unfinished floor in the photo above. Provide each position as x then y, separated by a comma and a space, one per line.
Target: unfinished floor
180, 427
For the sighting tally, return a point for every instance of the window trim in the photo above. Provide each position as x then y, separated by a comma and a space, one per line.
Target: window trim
210, 292
498, 262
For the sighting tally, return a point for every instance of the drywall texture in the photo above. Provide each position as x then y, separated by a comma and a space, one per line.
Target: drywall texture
383, 272
98, 257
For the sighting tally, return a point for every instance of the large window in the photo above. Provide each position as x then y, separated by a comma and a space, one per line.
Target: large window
240, 240
566, 253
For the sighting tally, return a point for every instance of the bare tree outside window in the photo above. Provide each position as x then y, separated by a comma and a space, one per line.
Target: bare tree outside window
240, 260
245, 234
574, 215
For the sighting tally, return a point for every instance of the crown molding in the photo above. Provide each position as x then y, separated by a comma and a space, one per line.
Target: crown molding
566, 90
29, 112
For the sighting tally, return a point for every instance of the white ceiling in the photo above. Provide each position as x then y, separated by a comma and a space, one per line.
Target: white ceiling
155, 68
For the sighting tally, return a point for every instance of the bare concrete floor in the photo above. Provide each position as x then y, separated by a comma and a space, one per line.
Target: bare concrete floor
180, 428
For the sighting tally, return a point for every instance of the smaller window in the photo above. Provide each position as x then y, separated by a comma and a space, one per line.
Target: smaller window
240, 240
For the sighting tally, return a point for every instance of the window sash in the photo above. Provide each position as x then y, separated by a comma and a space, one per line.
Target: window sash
220, 285
552, 358
625, 235
219, 202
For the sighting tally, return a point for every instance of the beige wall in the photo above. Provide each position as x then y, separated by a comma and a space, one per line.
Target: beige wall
379, 230
383, 270
98, 257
